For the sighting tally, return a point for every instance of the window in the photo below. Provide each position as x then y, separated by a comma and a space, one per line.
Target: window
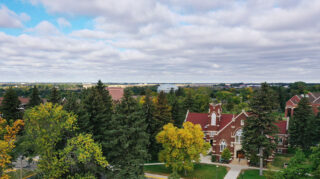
212, 133
279, 151
280, 141
242, 122
238, 136
213, 119
223, 145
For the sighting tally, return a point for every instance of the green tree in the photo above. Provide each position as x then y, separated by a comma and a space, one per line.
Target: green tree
62, 153
188, 102
148, 111
54, 96
34, 98
259, 129
226, 155
181, 146
315, 161
301, 126
10, 106
128, 139
297, 168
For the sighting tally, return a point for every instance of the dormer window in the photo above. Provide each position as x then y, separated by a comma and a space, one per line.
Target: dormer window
213, 119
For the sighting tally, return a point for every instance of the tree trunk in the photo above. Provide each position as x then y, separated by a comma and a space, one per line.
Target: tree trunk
21, 167
261, 161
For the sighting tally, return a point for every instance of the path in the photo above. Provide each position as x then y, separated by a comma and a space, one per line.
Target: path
154, 176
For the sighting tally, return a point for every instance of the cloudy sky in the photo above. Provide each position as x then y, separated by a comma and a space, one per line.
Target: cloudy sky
160, 41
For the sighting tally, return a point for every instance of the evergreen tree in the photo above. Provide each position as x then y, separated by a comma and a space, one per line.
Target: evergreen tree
128, 139
301, 127
161, 117
259, 129
10, 106
148, 110
177, 113
34, 98
54, 96
188, 102
95, 115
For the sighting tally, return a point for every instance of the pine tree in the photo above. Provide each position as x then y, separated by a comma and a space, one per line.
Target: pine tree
177, 112
302, 125
54, 96
34, 98
10, 106
188, 102
95, 114
128, 139
259, 129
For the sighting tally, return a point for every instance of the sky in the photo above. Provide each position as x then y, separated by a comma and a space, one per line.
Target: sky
159, 41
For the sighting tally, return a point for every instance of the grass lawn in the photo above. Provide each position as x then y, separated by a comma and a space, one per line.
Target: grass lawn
16, 174
279, 160
251, 174
201, 171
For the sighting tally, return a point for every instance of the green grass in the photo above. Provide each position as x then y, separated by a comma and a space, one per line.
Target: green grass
16, 174
201, 171
251, 174
279, 160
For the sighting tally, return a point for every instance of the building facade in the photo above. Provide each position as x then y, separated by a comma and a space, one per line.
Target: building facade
291, 104
225, 131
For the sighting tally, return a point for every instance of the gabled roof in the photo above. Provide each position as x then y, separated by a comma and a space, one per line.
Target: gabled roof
116, 93
198, 118
224, 120
282, 125
21, 99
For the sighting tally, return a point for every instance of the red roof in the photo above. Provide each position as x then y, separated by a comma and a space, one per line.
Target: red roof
22, 100
282, 125
199, 118
225, 119
116, 93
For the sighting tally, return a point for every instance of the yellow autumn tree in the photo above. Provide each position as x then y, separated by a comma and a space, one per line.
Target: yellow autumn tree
7, 139
181, 146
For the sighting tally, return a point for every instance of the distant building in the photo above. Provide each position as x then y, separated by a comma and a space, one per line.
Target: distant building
116, 93
225, 131
23, 102
166, 88
314, 101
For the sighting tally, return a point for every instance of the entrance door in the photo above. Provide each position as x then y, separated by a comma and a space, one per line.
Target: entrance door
240, 154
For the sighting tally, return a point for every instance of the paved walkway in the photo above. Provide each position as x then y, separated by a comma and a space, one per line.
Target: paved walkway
154, 176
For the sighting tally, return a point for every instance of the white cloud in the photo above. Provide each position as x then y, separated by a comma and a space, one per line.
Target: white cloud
44, 28
9, 19
63, 22
170, 41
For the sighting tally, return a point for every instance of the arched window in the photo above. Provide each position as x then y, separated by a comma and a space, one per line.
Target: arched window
223, 145
238, 136
213, 119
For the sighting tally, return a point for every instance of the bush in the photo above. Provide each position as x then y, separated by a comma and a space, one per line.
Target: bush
213, 158
226, 155
174, 175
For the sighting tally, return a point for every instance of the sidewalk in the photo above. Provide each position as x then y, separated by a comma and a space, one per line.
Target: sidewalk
154, 176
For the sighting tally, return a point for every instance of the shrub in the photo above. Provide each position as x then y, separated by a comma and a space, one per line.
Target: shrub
174, 175
213, 158
226, 155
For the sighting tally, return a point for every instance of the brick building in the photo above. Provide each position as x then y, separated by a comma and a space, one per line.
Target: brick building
225, 130
314, 100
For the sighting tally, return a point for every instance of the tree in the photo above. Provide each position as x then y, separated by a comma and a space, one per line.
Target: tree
177, 112
62, 153
188, 101
148, 111
128, 139
315, 161
226, 155
34, 98
181, 146
302, 126
259, 129
297, 168
54, 96
95, 115
7, 143
10, 106
162, 116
